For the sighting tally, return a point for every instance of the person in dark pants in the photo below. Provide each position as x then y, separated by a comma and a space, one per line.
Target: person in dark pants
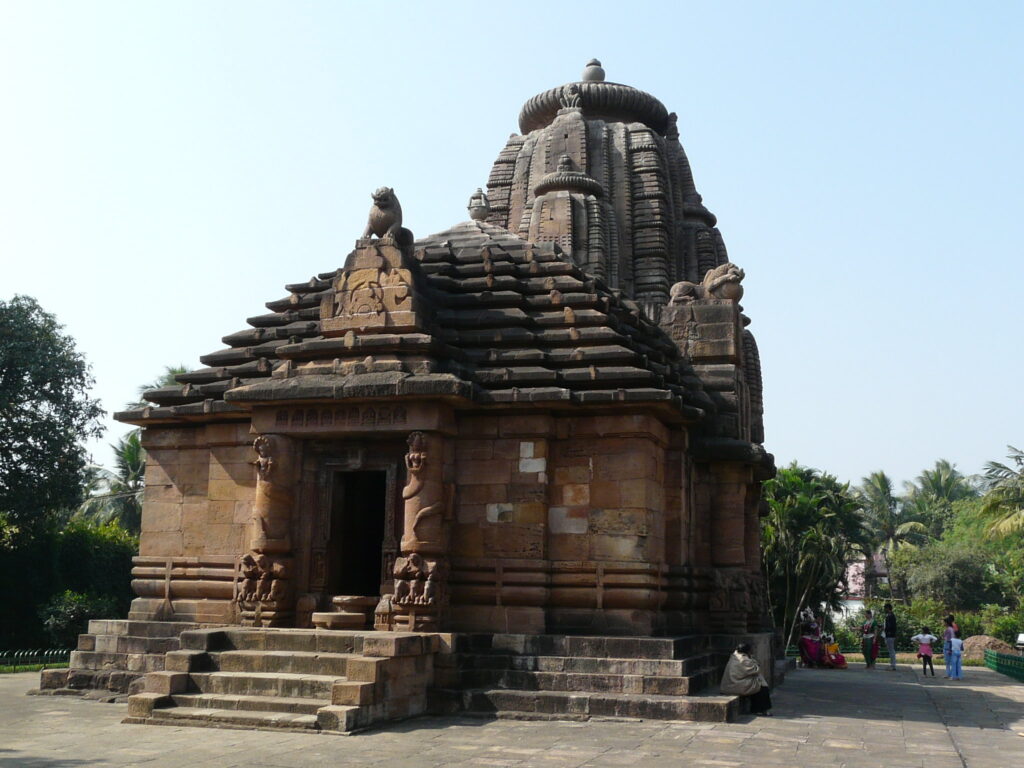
743, 678
889, 632
924, 642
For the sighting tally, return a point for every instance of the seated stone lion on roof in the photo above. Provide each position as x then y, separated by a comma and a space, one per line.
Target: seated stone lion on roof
722, 282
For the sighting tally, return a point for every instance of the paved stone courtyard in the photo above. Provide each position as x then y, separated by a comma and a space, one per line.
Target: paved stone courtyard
822, 718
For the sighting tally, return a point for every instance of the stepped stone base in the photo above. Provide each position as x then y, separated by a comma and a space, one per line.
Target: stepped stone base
579, 677
338, 681
113, 657
289, 679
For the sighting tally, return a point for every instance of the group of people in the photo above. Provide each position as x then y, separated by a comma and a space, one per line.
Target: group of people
743, 674
952, 644
818, 649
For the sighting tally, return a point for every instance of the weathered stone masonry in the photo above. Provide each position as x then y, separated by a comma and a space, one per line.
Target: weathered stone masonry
544, 420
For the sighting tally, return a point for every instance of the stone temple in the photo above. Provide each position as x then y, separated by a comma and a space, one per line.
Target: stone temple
512, 466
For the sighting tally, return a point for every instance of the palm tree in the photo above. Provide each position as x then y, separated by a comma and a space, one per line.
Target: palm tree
812, 532
117, 495
892, 526
1003, 501
166, 379
930, 497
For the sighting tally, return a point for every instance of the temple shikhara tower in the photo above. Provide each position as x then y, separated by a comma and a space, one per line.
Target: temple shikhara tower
534, 436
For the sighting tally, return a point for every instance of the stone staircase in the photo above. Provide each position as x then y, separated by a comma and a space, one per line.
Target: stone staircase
290, 679
113, 656
568, 677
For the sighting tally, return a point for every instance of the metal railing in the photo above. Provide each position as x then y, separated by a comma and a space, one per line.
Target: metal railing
33, 658
1006, 663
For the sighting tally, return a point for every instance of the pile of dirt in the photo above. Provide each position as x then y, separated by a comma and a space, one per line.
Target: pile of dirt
976, 645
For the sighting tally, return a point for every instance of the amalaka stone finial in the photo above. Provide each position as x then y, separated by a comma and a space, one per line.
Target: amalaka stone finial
479, 206
593, 72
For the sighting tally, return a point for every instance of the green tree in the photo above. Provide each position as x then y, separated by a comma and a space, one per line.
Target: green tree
931, 496
165, 379
812, 532
958, 577
890, 527
1003, 502
117, 495
45, 415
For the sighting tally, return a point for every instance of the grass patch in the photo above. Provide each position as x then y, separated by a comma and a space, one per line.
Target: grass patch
8, 669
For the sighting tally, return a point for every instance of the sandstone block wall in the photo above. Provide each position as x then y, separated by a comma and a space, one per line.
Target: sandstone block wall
195, 516
559, 523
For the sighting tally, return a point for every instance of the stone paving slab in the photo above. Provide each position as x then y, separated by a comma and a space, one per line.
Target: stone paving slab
834, 719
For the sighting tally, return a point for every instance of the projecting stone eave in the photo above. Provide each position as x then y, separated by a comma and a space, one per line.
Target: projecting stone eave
390, 385
208, 411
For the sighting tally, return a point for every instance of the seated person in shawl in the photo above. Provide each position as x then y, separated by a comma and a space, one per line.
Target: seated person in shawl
743, 678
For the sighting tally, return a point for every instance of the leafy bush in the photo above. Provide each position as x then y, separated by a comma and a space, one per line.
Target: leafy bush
84, 557
957, 577
67, 615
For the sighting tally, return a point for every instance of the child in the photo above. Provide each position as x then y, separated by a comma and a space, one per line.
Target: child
947, 635
956, 653
924, 649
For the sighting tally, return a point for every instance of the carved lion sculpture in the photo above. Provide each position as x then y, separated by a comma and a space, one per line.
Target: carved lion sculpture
385, 219
722, 282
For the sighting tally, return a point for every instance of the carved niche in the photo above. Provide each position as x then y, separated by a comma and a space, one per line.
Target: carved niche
375, 290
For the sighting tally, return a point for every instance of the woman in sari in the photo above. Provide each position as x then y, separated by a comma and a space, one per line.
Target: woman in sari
869, 639
809, 644
833, 658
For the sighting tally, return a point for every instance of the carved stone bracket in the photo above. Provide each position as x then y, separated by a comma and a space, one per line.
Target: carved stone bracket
264, 590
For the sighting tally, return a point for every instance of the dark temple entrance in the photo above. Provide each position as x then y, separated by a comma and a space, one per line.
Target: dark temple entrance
357, 533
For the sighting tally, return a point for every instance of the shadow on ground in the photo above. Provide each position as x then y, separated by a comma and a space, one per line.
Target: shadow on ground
15, 759
857, 692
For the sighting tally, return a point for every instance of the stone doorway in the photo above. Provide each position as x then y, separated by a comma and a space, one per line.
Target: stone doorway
358, 512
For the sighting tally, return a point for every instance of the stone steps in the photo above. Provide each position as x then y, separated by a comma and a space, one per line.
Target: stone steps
126, 662
232, 718
681, 685
651, 648
288, 679
586, 665
126, 644
265, 684
500, 702
551, 676
248, 703
114, 655
139, 628
299, 640
297, 662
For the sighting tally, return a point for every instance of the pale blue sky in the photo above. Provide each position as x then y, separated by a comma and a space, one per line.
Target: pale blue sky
165, 168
